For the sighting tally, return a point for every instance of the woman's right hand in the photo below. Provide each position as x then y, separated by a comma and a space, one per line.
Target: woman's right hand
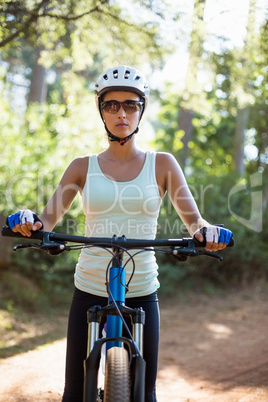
24, 222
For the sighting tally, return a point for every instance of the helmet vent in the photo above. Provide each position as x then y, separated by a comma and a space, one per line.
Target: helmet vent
115, 73
105, 77
127, 74
137, 78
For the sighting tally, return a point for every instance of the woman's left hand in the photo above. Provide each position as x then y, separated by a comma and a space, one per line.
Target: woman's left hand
217, 238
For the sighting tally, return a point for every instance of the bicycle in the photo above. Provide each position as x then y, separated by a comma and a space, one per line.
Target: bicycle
125, 366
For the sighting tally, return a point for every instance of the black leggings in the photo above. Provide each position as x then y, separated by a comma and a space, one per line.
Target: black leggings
77, 342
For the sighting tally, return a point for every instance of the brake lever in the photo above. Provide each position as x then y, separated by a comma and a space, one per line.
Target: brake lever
210, 254
182, 253
27, 245
50, 246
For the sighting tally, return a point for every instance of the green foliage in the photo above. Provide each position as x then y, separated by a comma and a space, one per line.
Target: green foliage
38, 147
74, 33
222, 195
244, 263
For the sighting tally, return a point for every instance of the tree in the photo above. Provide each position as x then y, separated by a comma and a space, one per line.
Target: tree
38, 90
191, 93
82, 37
244, 98
39, 19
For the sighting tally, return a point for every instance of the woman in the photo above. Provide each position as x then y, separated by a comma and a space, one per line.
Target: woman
122, 189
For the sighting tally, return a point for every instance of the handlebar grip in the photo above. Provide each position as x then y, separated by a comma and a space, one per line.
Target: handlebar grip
7, 232
203, 244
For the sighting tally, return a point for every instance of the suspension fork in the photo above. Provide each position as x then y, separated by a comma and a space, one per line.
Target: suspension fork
91, 363
95, 314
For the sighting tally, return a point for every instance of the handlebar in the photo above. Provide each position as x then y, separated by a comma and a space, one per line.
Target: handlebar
7, 232
55, 243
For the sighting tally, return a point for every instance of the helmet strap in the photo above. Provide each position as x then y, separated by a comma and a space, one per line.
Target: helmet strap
121, 141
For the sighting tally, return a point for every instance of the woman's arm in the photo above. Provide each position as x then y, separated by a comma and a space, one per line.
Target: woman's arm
171, 179
72, 181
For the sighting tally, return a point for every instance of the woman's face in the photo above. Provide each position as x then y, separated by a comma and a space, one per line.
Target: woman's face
121, 123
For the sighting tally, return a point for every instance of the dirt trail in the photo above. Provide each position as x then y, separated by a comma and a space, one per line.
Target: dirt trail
212, 349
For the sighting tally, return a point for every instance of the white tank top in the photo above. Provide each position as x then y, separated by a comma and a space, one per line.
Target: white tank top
122, 208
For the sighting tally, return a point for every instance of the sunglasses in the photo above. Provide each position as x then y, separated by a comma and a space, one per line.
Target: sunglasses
129, 106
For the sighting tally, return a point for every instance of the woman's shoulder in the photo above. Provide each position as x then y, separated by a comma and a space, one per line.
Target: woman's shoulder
165, 165
80, 160
77, 170
79, 163
165, 159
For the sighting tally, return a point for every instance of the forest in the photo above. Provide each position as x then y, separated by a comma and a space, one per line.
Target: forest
208, 107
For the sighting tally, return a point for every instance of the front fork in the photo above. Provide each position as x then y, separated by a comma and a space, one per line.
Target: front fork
92, 362
95, 314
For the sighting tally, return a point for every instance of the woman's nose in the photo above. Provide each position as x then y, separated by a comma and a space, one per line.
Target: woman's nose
121, 112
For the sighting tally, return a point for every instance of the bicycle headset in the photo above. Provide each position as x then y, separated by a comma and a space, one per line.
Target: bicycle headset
121, 78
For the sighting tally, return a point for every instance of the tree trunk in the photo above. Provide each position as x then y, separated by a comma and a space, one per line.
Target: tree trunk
186, 113
38, 89
5, 245
185, 124
243, 108
241, 126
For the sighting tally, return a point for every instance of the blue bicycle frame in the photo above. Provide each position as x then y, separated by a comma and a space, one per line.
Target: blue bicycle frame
117, 279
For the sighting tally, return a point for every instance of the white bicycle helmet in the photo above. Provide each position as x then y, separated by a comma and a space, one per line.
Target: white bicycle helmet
121, 78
